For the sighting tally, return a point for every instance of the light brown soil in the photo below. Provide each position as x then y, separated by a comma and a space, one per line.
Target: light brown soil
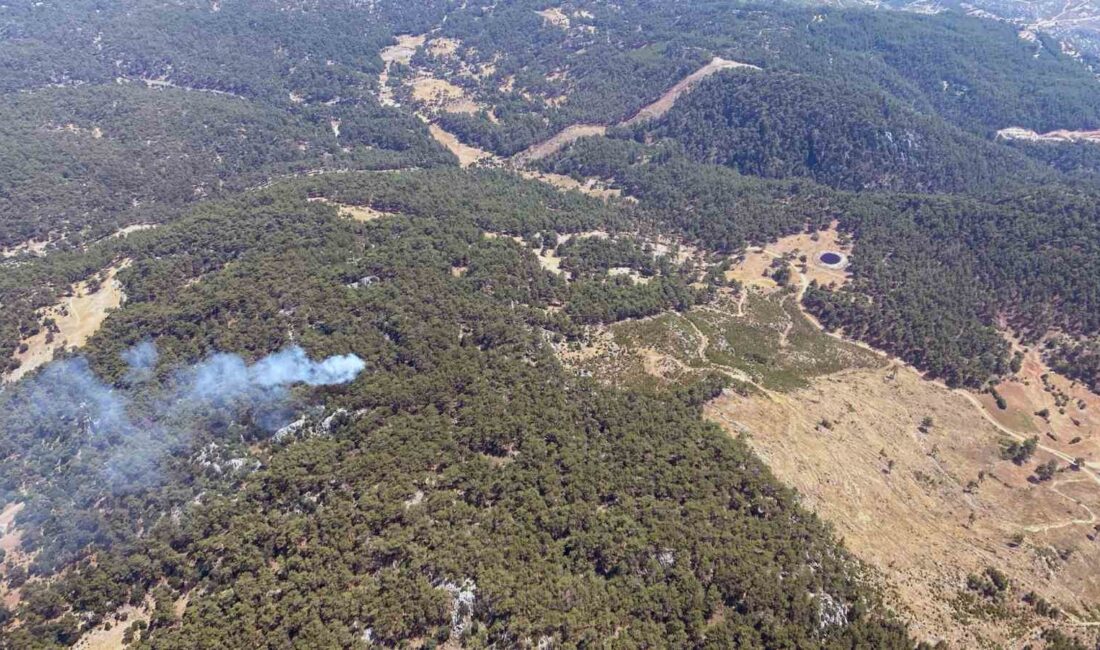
402, 53
32, 246
659, 107
547, 147
913, 519
1061, 135
354, 212
467, 155
77, 318
10, 538
750, 270
103, 639
137, 227
1027, 393
547, 257
404, 50
443, 47
924, 509
591, 187
430, 90
666, 101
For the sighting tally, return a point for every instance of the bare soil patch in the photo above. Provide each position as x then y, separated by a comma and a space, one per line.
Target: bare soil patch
35, 247
430, 90
1061, 135
592, 186
555, 16
76, 319
10, 538
925, 508
354, 212
754, 266
547, 147
102, 638
467, 155
666, 101
403, 50
1064, 414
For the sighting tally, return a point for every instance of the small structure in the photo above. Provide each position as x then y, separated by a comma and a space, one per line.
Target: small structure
833, 260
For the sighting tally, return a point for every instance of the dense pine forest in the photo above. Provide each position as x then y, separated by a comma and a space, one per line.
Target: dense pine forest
461, 487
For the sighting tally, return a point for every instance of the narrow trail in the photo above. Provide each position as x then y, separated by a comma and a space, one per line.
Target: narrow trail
704, 341
1089, 472
1042, 528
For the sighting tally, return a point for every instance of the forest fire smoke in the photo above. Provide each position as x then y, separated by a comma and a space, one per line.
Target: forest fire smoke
137, 428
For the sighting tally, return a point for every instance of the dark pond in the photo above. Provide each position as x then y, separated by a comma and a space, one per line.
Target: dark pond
831, 258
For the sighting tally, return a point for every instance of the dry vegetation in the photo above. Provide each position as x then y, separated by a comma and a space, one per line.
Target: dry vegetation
75, 320
552, 145
924, 502
467, 155
927, 507
354, 212
109, 635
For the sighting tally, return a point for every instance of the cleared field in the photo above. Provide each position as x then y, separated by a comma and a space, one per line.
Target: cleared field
467, 155
667, 100
928, 505
75, 320
554, 144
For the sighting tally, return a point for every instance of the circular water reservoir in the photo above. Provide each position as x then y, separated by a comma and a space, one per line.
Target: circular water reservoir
831, 258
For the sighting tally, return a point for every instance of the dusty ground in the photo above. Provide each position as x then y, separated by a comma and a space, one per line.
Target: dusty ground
33, 247
750, 270
547, 257
354, 212
555, 143
77, 318
403, 50
903, 500
591, 187
666, 101
842, 424
555, 16
655, 109
467, 155
103, 639
438, 92
1061, 135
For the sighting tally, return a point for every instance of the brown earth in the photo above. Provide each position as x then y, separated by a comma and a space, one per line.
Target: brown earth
1072, 425
923, 508
354, 212
904, 500
101, 638
750, 269
552, 145
77, 318
666, 101
467, 155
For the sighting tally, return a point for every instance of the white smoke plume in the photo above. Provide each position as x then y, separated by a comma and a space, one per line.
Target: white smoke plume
142, 360
138, 430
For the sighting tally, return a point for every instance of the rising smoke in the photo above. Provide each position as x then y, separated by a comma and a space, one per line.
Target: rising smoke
136, 430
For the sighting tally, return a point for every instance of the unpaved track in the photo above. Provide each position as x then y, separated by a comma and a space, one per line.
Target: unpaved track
654, 110
1089, 470
666, 101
